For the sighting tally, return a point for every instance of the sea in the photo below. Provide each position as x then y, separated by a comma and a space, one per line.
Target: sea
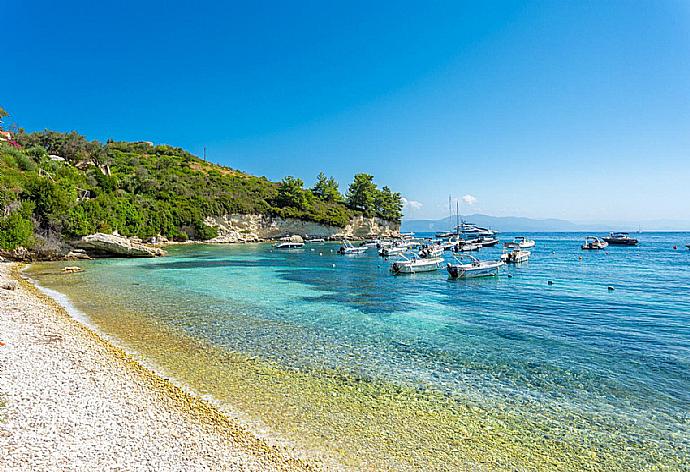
574, 360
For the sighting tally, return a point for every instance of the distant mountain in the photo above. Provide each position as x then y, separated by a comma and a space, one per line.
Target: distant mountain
527, 225
500, 223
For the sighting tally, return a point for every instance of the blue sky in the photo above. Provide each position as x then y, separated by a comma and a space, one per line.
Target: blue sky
576, 110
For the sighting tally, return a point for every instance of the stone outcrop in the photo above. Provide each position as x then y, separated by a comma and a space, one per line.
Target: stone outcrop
251, 228
111, 245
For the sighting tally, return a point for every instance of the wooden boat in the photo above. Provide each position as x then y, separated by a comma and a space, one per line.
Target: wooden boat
620, 239
513, 254
347, 248
412, 266
593, 243
473, 268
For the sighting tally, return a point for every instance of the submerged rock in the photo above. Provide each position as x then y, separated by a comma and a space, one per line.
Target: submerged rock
112, 245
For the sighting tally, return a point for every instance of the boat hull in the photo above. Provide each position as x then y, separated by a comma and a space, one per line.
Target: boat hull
621, 242
416, 266
458, 271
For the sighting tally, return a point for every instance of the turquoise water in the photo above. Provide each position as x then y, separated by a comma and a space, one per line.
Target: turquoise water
611, 362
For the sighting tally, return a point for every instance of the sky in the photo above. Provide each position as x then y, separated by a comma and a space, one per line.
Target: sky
577, 110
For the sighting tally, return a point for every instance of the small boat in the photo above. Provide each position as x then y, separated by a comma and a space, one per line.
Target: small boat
473, 268
620, 239
347, 248
467, 247
288, 245
522, 242
370, 243
485, 241
592, 242
414, 265
316, 240
392, 251
434, 250
514, 254
445, 234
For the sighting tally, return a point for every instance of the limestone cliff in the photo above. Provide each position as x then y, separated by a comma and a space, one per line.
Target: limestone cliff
245, 228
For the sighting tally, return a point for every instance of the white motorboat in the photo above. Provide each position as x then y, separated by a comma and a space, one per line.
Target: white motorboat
288, 245
370, 243
523, 242
467, 247
389, 251
593, 242
433, 250
316, 240
513, 254
484, 241
347, 248
473, 268
414, 265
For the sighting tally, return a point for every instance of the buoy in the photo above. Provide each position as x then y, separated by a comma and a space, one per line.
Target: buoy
321, 254
550, 282
579, 258
510, 276
334, 266
675, 247
2, 343
610, 289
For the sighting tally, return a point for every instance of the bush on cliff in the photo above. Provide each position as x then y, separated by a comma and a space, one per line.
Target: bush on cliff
139, 189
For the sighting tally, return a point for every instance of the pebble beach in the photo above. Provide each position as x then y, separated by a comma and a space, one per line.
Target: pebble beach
69, 400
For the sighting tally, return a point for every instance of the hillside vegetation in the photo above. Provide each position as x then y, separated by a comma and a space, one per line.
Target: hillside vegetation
143, 190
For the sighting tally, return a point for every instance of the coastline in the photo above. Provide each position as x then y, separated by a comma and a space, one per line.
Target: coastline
72, 400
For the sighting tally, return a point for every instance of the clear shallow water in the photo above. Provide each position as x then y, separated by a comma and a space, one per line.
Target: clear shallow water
574, 371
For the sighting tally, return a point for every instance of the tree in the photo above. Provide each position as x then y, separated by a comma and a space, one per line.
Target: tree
292, 194
326, 189
361, 195
3, 114
389, 204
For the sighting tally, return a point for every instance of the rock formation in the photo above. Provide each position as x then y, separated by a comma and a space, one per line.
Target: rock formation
111, 245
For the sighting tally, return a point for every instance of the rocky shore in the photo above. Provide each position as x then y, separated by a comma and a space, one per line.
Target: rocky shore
69, 400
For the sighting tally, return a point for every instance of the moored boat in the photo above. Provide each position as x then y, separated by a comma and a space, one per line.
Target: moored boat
433, 250
288, 245
467, 247
347, 248
593, 243
523, 242
412, 266
473, 268
514, 254
620, 239
392, 251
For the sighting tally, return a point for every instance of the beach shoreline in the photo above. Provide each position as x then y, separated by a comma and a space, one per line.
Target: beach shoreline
72, 400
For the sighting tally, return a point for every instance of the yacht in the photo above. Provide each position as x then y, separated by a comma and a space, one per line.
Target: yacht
472, 230
473, 267
620, 239
412, 266
592, 242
